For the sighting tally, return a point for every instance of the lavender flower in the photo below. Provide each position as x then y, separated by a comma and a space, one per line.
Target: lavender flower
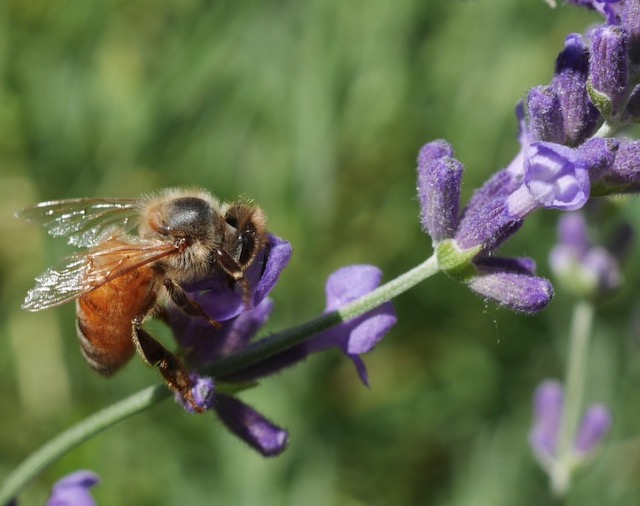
584, 269
548, 411
494, 213
205, 344
73, 490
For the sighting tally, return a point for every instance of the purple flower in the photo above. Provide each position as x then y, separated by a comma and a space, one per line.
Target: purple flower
361, 334
353, 337
205, 344
610, 9
250, 426
594, 427
548, 410
556, 176
583, 268
73, 490
494, 213
548, 404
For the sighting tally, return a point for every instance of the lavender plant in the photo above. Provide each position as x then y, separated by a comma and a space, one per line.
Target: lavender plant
568, 155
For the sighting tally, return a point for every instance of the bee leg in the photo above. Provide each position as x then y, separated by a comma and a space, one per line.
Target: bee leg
174, 372
235, 271
188, 306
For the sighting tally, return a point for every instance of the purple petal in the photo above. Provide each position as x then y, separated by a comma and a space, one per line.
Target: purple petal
608, 8
349, 284
548, 405
204, 344
510, 286
594, 427
73, 490
279, 254
250, 426
222, 302
556, 176
361, 334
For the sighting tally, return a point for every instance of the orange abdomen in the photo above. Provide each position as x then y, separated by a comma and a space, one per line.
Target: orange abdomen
105, 318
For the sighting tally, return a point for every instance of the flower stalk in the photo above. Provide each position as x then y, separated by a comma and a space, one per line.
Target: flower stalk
580, 334
150, 396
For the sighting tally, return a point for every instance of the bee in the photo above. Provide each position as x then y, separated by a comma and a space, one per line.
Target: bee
139, 253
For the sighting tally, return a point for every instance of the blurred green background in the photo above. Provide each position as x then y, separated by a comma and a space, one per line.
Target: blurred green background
316, 110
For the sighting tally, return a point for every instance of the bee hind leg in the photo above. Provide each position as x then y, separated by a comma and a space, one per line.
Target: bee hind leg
174, 372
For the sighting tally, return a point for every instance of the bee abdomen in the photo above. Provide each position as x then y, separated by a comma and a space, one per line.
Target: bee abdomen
99, 349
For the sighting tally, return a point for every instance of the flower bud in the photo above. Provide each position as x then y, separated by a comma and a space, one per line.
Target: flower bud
570, 84
608, 69
545, 115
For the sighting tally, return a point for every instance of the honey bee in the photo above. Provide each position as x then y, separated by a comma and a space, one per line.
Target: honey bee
139, 254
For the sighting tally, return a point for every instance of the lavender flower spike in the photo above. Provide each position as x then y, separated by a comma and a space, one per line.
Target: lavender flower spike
73, 490
439, 182
608, 69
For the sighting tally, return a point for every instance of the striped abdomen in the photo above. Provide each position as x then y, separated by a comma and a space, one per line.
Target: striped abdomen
105, 318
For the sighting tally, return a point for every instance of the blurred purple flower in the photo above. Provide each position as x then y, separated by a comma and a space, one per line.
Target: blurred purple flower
548, 410
73, 490
583, 268
250, 426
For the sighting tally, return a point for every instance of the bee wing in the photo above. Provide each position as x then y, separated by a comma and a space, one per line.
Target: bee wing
86, 222
82, 273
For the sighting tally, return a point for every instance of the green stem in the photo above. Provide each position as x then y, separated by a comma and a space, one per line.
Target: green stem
136, 403
581, 324
295, 335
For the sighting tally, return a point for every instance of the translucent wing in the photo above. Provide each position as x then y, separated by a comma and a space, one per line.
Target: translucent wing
79, 274
86, 222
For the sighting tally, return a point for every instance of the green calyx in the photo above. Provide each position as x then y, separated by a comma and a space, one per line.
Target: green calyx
455, 262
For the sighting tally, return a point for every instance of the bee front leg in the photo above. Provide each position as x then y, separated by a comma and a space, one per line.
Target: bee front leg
188, 306
174, 372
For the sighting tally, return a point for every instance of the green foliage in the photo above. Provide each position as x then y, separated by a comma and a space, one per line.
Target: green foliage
316, 110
